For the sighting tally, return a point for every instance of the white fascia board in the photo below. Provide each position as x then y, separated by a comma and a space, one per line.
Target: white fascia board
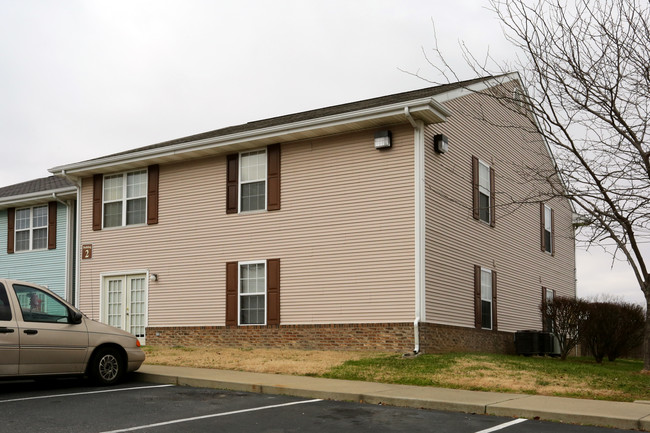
415, 106
17, 200
477, 87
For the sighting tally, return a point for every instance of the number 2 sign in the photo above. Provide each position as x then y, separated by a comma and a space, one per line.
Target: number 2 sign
86, 251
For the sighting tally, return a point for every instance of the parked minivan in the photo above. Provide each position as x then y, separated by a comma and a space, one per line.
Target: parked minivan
41, 334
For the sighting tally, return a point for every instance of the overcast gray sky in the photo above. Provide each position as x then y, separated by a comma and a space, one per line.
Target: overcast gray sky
85, 78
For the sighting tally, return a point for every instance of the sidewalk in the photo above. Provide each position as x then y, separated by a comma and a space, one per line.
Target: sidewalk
576, 411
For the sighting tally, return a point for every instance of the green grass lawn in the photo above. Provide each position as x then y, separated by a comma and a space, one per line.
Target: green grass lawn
576, 377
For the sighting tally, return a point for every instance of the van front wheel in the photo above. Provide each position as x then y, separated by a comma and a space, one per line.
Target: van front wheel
106, 367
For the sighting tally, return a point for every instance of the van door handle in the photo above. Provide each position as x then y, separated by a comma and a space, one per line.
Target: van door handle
30, 331
6, 330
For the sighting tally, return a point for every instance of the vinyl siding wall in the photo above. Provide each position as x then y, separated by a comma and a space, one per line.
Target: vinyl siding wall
344, 235
456, 242
44, 267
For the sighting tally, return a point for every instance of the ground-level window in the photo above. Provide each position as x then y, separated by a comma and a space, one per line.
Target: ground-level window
31, 228
124, 303
485, 296
548, 295
252, 293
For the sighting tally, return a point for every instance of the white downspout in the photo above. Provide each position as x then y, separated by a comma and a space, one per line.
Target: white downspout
77, 253
418, 127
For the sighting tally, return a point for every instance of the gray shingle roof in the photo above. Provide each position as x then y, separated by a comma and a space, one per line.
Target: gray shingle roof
311, 114
44, 184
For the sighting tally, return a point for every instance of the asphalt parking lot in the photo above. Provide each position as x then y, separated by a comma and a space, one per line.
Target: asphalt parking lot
71, 405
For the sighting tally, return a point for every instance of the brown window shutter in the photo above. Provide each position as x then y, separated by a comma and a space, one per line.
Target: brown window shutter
552, 232
273, 177
544, 325
232, 184
477, 297
494, 301
152, 193
273, 291
492, 199
51, 225
475, 198
542, 223
11, 220
98, 189
232, 285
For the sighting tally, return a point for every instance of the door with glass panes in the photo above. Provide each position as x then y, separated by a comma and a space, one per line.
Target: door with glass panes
124, 303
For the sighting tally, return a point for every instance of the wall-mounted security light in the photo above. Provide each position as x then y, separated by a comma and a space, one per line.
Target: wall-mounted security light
153, 277
440, 143
382, 139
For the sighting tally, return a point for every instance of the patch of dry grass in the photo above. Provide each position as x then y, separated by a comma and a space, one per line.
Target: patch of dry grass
280, 361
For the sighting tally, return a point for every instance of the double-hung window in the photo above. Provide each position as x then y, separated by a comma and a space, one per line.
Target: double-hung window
31, 228
485, 298
125, 199
547, 228
252, 180
483, 200
252, 293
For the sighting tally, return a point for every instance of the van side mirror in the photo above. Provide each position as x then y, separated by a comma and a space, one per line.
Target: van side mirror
75, 317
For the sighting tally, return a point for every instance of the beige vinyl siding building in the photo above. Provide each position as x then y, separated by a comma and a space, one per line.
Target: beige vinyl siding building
456, 241
346, 245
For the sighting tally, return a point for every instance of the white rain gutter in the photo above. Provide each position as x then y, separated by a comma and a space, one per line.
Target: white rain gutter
418, 127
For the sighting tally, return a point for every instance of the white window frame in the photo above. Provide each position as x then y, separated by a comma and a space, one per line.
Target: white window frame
548, 227
31, 228
485, 296
485, 190
125, 199
242, 182
240, 294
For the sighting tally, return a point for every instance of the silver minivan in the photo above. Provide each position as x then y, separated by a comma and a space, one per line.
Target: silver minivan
41, 334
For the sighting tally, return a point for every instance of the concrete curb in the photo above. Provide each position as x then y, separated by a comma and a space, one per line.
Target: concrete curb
575, 411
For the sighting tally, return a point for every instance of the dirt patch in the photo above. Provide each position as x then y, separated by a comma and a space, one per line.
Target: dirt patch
280, 361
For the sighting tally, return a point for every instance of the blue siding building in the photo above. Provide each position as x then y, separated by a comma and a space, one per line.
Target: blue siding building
38, 234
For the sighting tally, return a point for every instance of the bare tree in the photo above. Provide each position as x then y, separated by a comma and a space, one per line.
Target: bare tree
586, 68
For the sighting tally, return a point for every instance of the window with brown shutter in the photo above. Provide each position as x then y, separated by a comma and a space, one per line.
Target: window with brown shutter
11, 220
152, 194
483, 192
246, 187
247, 287
547, 228
485, 298
51, 225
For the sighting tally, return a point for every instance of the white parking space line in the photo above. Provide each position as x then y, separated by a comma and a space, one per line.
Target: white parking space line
215, 415
502, 426
72, 394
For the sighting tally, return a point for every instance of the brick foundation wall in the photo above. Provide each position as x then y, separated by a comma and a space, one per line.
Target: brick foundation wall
393, 337
442, 338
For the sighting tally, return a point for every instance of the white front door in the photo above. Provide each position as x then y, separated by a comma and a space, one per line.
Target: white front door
125, 303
